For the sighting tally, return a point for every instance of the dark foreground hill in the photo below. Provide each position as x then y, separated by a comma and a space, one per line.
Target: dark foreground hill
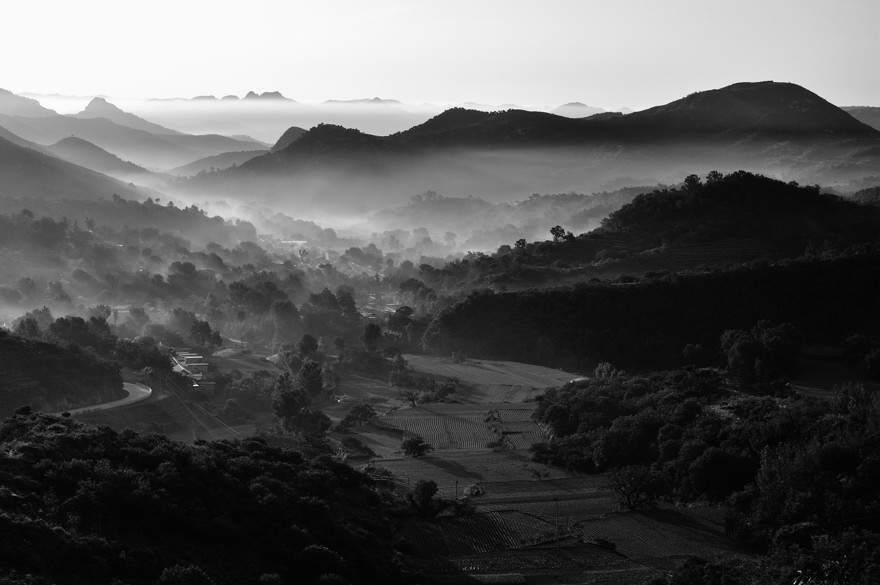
732, 237
648, 324
740, 217
51, 377
81, 505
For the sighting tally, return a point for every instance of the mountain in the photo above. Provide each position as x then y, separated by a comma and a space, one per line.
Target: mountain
779, 129
216, 162
139, 146
101, 108
766, 109
266, 95
85, 154
865, 114
15, 105
290, 136
576, 110
28, 173
376, 101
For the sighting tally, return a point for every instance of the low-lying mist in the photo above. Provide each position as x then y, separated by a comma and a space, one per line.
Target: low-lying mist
372, 193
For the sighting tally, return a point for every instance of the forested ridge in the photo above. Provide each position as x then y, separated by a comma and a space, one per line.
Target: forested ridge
646, 324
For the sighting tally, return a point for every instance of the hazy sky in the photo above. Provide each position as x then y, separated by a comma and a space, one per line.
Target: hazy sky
611, 53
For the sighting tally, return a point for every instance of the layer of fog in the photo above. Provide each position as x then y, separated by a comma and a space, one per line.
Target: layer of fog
267, 119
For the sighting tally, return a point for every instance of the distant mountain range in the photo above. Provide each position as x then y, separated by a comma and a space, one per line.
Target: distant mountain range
775, 128
576, 110
251, 95
121, 133
778, 129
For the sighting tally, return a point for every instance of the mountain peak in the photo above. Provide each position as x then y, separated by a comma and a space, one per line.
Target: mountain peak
290, 136
101, 108
99, 105
266, 95
769, 107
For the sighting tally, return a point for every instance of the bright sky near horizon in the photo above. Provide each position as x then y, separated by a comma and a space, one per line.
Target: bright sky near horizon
634, 53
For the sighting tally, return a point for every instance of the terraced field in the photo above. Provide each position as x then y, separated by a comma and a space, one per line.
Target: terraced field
467, 426
495, 376
467, 468
444, 432
451, 536
534, 523
661, 538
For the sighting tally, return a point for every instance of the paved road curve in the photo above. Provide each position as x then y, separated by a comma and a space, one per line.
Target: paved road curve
136, 393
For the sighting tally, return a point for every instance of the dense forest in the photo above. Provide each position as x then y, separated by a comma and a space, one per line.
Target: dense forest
799, 476
646, 324
86, 504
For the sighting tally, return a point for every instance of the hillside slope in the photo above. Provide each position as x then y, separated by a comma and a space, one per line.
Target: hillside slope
85, 154
28, 173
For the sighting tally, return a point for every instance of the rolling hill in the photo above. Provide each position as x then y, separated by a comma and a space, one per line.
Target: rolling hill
29, 173
85, 154
216, 162
145, 147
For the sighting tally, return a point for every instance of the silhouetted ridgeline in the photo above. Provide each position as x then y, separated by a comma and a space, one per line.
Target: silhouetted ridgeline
84, 505
728, 219
646, 324
771, 127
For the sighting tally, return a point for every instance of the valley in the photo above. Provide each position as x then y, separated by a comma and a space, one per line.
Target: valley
456, 346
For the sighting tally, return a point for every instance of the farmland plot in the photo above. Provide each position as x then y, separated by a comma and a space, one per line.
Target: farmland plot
566, 499
497, 374
455, 536
467, 426
445, 432
465, 468
660, 538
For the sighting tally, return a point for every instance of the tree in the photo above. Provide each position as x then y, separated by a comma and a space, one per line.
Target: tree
558, 233
372, 336
201, 334
714, 177
184, 575
310, 378
137, 318
360, 414
410, 395
416, 447
307, 345
692, 182
636, 486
